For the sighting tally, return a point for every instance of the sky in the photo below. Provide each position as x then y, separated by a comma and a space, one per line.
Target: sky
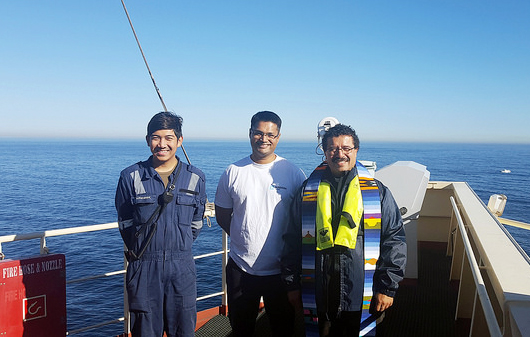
429, 70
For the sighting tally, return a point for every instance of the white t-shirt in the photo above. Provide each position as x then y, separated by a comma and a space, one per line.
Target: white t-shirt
260, 196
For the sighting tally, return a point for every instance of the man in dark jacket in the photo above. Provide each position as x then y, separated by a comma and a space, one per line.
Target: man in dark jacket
349, 222
160, 204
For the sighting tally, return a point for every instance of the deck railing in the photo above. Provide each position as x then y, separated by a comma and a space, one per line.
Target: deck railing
475, 266
113, 225
489, 265
481, 291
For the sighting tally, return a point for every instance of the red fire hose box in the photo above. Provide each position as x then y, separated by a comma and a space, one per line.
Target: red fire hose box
33, 296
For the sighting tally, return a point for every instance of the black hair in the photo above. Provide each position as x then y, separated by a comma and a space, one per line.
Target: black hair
265, 116
340, 130
165, 120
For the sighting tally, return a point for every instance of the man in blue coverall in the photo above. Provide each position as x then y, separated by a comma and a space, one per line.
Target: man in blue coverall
160, 204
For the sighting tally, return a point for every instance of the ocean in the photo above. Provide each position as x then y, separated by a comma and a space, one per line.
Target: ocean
53, 184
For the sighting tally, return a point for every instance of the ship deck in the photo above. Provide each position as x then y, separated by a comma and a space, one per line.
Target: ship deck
422, 307
426, 306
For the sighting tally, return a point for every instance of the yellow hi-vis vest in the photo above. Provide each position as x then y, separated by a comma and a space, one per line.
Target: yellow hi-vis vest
352, 212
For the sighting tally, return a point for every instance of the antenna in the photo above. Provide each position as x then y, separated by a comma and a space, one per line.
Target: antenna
145, 60
149, 71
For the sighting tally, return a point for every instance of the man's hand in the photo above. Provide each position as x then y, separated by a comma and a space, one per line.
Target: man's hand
380, 303
295, 298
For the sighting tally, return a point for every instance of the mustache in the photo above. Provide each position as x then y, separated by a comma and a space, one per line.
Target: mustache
339, 159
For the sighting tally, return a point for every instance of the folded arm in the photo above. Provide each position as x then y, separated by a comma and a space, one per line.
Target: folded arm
224, 218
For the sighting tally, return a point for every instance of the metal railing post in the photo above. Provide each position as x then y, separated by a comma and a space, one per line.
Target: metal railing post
126, 315
43, 248
224, 301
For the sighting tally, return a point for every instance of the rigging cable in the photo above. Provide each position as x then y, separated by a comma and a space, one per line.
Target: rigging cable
149, 70
209, 207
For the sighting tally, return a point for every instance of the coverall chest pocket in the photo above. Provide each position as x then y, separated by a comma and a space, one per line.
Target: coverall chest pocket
144, 206
186, 205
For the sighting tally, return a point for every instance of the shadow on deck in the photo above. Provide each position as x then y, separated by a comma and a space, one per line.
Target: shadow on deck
426, 306
422, 307
219, 326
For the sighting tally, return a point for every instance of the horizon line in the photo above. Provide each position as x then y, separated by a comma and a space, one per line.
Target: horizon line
290, 140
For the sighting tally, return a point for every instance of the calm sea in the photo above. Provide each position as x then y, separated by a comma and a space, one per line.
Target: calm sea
59, 184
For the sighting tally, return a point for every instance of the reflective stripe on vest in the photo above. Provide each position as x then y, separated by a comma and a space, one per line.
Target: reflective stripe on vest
137, 181
194, 179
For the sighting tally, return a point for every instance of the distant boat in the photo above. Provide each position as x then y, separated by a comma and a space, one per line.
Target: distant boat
506, 171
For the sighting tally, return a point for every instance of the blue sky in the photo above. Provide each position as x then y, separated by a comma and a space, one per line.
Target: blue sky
450, 71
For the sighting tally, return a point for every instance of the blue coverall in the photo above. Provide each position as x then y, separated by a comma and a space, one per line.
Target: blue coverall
161, 285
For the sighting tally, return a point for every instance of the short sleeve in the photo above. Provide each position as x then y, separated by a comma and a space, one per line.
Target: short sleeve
222, 195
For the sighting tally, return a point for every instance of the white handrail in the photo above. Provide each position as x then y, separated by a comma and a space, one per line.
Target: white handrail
220, 252
54, 232
73, 332
514, 223
94, 277
489, 314
209, 296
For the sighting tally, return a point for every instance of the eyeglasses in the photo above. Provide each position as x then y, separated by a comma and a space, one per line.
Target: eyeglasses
258, 134
346, 150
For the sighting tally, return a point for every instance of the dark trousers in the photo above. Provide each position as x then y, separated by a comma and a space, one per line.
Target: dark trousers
162, 296
348, 323
244, 293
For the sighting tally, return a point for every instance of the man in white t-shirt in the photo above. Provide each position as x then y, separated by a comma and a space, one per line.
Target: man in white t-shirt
252, 206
